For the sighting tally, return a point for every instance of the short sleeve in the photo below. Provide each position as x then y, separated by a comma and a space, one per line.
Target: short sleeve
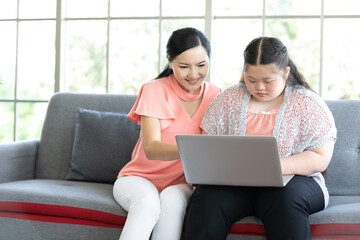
307, 123
214, 121
152, 101
223, 112
322, 124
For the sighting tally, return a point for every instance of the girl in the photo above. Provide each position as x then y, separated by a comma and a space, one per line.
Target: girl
272, 98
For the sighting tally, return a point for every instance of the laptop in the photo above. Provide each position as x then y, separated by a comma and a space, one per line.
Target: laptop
231, 160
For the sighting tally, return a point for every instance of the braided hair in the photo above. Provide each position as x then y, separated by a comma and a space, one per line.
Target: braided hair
268, 50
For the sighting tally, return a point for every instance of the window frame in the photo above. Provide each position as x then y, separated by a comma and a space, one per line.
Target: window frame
208, 17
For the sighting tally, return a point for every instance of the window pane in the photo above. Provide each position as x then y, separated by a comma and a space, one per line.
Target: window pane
86, 8
169, 26
126, 8
237, 8
37, 8
302, 39
286, 7
8, 9
36, 59
183, 8
344, 7
85, 68
133, 54
341, 59
6, 122
228, 47
30, 120
7, 59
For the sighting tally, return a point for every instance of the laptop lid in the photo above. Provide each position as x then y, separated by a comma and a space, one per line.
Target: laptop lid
231, 160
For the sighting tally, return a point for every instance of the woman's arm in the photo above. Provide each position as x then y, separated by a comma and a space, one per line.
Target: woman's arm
151, 137
308, 162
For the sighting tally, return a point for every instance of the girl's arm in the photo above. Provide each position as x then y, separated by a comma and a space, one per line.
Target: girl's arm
308, 162
151, 137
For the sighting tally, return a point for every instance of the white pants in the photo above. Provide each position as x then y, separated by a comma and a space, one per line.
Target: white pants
150, 212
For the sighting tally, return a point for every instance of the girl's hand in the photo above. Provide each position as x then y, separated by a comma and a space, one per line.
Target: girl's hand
308, 162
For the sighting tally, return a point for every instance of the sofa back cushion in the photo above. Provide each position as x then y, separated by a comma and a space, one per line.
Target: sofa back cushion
344, 169
55, 149
57, 138
103, 144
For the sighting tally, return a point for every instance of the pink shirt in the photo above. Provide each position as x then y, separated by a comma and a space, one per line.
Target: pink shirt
158, 99
260, 123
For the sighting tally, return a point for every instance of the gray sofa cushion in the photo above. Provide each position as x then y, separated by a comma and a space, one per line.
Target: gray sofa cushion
47, 230
341, 209
103, 144
84, 195
55, 148
41, 209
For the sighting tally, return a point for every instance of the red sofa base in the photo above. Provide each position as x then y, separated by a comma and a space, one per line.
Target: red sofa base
82, 216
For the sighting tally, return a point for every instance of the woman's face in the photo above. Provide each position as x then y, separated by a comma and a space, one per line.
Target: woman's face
191, 68
265, 82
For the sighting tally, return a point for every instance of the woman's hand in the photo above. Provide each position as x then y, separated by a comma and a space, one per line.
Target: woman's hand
308, 162
154, 148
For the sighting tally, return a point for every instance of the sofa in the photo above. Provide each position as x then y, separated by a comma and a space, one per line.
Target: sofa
60, 187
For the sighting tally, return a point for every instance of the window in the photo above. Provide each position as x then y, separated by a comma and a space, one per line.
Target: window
114, 46
27, 66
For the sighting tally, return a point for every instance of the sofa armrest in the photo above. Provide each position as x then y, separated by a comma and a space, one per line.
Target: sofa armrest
17, 160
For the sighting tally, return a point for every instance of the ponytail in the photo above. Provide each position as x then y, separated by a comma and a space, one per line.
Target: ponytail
166, 72
296, 77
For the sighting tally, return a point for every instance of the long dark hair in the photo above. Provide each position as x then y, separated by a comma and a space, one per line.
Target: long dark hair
268, 50
180, 41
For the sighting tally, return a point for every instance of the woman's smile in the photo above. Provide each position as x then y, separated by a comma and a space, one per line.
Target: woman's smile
193, 82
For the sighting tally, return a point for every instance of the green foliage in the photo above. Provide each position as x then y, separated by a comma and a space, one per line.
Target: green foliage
30, 114
89, 66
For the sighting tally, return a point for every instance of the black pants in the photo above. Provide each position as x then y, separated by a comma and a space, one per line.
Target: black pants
283, 211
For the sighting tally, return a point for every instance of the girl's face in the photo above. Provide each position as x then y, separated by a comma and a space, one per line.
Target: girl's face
191, 68
265, 82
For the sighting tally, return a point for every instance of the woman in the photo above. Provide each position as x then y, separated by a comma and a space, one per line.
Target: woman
272, 98
152, 186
